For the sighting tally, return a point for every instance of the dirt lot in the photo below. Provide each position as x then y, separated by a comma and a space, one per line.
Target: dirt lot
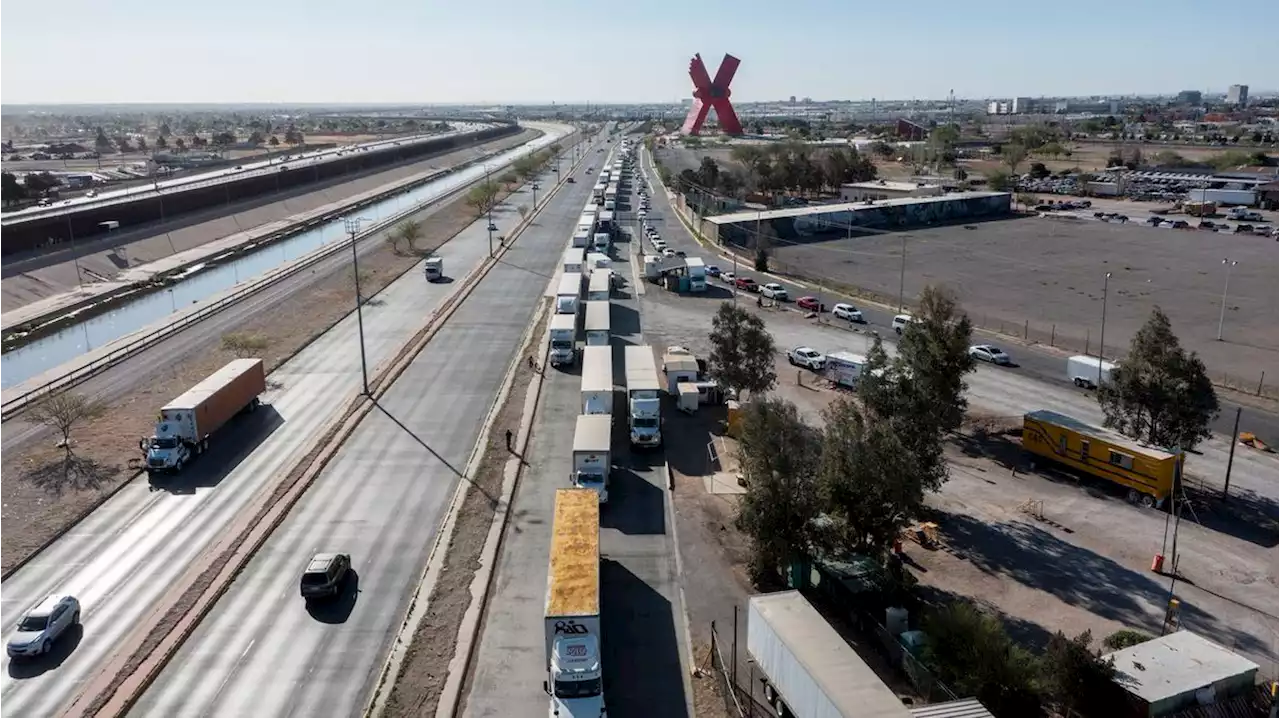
422, 675
1049, 274
41, 499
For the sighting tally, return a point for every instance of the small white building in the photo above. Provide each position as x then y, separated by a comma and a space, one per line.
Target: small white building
887, 189
1167, 674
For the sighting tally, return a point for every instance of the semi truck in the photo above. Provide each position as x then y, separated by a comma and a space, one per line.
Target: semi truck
644, 397
186, 424
575, 675
599, 287
596, 323
809, 670
592, 457
696, 269
581, 240
563, 331
601, 241
568, 293
571, 262
597, 380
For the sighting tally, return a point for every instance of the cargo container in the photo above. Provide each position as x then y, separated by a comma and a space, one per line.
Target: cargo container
186, 424
597, 380
569, 293
809, 670
1149, 473
592, 455
596, 323
571, 623
599, 287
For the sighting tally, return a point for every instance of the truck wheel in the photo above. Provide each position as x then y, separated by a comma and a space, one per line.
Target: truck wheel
253, 405
1148, 501
204, 446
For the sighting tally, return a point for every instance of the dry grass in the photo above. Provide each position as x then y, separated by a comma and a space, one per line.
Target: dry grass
417, 687
37, 508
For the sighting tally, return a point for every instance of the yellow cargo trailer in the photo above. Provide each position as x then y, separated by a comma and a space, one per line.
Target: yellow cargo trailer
1148, 472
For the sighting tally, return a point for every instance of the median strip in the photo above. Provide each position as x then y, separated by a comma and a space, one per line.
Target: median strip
114, 690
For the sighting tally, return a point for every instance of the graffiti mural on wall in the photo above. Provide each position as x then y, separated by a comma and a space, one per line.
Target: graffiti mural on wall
892, 217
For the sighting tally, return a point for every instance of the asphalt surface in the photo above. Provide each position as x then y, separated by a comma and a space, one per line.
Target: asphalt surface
215, 176
381, 500
1049, 367
644, 646
125, 555
36, 275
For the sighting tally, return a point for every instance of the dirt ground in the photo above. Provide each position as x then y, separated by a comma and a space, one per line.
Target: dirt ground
1047, 276
416, 690
42, 496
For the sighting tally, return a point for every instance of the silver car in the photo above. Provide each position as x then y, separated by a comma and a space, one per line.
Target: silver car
40, 628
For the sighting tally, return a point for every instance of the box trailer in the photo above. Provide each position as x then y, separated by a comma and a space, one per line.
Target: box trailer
599, 287
592, 456
597, 380
581, 239
844, 368
679, 367
562, 339
573, 259
571, 622
808, 668
644, 397
1086, 371
568, 293
187, 424
596, 323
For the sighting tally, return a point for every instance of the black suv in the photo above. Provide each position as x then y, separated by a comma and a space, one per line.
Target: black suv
325, 574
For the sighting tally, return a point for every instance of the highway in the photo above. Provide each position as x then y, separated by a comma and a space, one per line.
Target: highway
381, 500
1045, 365
238, 172
125, 555
644, 646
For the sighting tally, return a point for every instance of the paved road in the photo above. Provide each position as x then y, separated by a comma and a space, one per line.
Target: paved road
1049, 367
643, 633
381, 500
36, 275
122, 558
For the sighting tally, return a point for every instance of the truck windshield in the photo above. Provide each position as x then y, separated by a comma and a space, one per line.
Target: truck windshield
590, 479
166, 442
561, 344
578, 689
645, 422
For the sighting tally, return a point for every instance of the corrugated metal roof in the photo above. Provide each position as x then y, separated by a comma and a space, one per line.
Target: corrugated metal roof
963, 708
810, 210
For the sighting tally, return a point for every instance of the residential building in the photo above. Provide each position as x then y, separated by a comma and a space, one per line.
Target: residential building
1238, 95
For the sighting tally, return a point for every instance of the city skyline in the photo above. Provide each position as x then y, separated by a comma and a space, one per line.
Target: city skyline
285, 53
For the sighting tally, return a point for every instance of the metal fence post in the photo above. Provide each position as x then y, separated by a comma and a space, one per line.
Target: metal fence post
1053, 334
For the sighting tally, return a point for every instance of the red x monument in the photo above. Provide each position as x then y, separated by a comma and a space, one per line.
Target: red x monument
709, 94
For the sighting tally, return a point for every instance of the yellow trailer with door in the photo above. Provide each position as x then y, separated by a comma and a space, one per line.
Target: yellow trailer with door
1146, 471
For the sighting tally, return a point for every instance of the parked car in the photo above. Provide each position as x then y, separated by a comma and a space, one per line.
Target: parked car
807, 357
668, 253
847, 312
990, 353
728, 278
39, 628
680, 253
1154, 221
1206, 224
712, 270
324, 575
1244, 229
746, 283
774, 291
901, 321
809, 303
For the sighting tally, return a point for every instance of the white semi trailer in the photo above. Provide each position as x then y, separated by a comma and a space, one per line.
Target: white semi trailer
644, 397
563, 331
592, 457
597, 380
575, 675
187, 424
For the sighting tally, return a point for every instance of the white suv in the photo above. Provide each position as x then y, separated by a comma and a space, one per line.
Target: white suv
774, 291
847, 312
807, 357
39, 628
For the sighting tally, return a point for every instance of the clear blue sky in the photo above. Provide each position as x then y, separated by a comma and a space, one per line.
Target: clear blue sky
572, 51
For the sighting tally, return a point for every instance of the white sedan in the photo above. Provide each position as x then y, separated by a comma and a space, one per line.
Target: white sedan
727, 277
774, 291
990, 353
807, 357
847, 312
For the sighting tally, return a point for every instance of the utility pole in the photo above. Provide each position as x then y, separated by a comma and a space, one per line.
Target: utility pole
352, 225
1231, 457
902, 274
1102, 336
489, 201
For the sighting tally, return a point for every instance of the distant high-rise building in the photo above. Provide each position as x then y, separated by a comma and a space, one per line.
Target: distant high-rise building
1189, 97
1021, 105
793, 99
1238, 95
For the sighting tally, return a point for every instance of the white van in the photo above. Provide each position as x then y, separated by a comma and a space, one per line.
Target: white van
1086, 371
901, 321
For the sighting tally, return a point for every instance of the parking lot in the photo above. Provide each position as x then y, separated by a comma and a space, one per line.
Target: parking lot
1047, 276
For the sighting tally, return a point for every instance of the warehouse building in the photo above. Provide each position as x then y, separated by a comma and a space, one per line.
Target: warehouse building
886, 189
816, 223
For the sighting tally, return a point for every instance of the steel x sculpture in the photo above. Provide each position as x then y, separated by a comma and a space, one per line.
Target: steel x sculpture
711, 94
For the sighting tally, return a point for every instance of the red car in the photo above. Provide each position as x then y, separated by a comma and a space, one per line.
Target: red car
746, 283
809, 303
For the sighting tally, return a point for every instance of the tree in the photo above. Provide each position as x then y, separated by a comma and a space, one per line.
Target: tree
481, 197
1077, 679
523, 210
292, 136
244, 345
165, 132
39, 182
870, 481
10, 190
274, 141
122, 144
409, 231
1124, 638
162, 143
63, 412
778, 455
142, 144
934, 351
256, 138
509, 178
971, 653
101, 143
181, 145
1000, 181
1013, 155
1038, 170
1159, 393
741, 351
224, 139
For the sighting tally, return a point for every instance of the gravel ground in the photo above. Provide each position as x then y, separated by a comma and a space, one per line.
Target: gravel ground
41, 500
416, 691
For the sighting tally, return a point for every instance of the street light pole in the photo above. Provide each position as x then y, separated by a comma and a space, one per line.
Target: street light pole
1222, 313
352, 225
489, 201
1102, 335
902, 272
